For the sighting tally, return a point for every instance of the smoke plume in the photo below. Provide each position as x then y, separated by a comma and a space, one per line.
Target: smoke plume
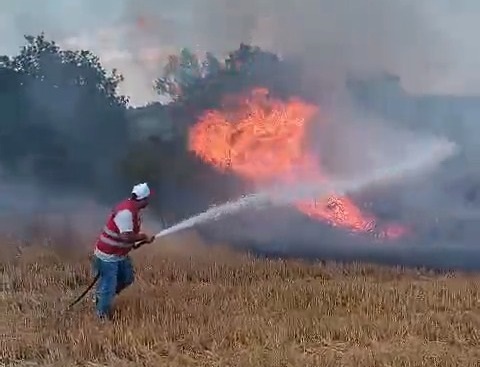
328, 41
331, 37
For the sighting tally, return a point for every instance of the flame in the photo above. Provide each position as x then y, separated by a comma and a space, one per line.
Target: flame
261, 140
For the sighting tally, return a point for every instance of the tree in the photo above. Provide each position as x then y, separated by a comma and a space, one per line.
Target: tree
179, 73
201, 88
63, 122
210, 66
194, 87
64, 125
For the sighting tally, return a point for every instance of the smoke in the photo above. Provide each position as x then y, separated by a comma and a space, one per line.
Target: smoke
31, 214
334, 40
439, 202
331, 37
328, 40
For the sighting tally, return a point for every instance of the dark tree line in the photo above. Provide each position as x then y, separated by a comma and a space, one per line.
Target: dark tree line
61, 119
64, 126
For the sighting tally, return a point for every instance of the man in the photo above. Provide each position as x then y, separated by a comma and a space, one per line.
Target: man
111, 260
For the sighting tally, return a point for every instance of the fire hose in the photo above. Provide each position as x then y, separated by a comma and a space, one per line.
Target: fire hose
95, 279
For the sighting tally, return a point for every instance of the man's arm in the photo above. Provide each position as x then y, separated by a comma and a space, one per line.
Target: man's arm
124, 222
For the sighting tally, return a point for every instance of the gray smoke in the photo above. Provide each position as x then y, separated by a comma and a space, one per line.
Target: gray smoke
409, 37
331, 37
332, 40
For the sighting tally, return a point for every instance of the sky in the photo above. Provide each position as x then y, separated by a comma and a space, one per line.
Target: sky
136, 36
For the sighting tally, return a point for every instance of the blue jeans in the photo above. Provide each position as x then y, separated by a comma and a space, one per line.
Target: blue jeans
114, 277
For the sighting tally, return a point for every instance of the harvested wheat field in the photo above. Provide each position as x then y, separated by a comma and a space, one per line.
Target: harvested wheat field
194, 305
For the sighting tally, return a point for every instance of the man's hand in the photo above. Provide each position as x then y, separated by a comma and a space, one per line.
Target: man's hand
142, 237
150, 239
145, 239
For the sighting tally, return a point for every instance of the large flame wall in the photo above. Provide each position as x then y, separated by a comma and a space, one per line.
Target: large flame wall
262, 140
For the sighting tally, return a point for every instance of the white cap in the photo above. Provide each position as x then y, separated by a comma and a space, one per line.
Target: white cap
141, 191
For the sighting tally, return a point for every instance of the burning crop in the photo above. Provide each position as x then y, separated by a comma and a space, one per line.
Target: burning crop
262, 140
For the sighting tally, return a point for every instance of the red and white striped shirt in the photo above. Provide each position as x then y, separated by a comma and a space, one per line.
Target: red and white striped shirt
124, 218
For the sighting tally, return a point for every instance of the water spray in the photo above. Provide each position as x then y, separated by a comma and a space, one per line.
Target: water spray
286, 195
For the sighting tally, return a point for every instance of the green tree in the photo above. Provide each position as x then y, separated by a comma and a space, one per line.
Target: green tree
180, 73
211, 66
63, 122
199, 88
